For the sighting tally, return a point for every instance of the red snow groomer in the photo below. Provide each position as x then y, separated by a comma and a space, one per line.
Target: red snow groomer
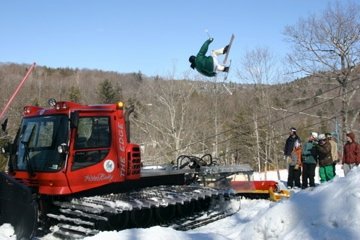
74, 166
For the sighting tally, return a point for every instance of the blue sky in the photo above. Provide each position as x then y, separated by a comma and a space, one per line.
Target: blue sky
155, 37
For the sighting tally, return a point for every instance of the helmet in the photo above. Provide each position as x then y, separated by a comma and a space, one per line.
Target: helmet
314, 135
328, 135
322, 137
192, 59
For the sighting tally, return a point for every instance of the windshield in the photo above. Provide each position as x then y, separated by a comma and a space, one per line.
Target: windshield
36, 144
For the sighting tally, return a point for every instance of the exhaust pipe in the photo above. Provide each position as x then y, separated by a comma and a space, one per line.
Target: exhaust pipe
128, 112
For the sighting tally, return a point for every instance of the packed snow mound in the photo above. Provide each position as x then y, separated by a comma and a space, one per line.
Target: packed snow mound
329, 211
158, 233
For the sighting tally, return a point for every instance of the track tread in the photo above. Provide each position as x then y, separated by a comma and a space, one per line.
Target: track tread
87, 216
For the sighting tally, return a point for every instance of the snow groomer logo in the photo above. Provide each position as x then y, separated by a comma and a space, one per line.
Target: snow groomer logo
109, 166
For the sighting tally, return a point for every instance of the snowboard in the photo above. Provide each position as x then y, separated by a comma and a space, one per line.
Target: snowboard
227, 53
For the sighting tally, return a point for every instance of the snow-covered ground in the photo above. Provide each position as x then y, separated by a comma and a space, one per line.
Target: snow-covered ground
330, 211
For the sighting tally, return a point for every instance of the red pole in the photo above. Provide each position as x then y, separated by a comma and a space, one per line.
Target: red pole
17, 90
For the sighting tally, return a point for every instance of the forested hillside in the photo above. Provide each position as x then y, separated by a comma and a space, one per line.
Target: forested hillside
239, 123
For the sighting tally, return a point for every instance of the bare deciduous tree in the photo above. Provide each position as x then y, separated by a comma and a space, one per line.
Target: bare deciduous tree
169, 121
259, 67
328, 45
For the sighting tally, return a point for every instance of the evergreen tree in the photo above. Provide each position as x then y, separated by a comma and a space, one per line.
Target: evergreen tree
74, 94
107, 93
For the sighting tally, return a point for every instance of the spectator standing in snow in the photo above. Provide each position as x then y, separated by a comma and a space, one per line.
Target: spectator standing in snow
351, 157
294, 168
323, 150
309, 161
289, 144
334, 150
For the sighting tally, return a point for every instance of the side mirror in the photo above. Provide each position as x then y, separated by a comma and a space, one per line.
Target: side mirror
63, 148
6, 148
74, 119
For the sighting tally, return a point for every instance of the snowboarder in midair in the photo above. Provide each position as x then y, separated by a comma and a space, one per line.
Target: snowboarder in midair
208, 65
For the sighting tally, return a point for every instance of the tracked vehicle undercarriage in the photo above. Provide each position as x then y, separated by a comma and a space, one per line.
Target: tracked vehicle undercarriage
194, 192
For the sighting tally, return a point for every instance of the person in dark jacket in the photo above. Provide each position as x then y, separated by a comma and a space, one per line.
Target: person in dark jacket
289, 144
309, 161
208, 65
326, 167
351, 156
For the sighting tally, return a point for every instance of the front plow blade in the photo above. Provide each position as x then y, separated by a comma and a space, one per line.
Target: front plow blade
17, 207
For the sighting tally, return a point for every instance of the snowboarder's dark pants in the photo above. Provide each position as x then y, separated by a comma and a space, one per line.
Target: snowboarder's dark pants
308, 173
294, 176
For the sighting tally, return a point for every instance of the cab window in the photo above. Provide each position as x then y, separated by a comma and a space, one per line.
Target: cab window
92, 142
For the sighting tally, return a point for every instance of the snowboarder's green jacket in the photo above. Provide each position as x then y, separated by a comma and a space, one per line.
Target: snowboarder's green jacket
205, 64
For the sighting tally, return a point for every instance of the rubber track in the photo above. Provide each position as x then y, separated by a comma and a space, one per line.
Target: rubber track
87, 216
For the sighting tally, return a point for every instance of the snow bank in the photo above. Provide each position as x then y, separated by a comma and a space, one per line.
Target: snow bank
329, 211
158, 233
